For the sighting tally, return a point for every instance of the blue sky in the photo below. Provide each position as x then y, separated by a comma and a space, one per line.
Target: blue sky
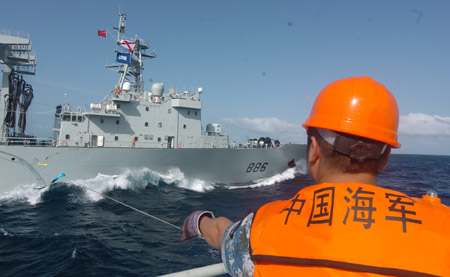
260, 63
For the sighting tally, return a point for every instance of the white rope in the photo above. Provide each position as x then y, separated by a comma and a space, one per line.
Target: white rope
128, 206
133, 208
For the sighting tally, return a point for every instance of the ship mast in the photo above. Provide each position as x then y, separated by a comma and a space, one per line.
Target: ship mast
132, 69
121, 28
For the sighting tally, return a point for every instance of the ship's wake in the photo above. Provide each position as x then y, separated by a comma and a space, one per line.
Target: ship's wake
92, 189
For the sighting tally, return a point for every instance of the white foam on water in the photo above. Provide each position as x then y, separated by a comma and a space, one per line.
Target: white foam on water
138, 179
196, 185
130, 179
29, 193
176, 176
74, 253
5, 233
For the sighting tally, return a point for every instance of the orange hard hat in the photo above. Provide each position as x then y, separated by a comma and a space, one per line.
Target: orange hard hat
358, 106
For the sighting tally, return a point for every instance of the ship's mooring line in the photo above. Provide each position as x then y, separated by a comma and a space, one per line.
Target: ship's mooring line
128, 206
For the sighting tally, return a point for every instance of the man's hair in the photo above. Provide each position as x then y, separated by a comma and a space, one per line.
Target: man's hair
343, 163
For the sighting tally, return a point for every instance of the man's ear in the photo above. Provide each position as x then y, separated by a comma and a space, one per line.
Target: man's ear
313, 151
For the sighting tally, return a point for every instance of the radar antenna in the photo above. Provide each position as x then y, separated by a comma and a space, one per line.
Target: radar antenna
131, 65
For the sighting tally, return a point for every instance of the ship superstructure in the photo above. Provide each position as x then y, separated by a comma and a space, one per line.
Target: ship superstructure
151, 119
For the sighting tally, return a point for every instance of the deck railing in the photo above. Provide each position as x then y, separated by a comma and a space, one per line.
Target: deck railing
29, 141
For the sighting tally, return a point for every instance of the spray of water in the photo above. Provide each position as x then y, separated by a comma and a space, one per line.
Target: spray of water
137, 180
24, 192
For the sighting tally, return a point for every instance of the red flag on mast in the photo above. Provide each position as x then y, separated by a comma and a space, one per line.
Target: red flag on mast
101, 33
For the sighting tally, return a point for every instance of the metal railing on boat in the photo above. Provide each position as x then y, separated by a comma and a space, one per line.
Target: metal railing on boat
51, 142
205, 271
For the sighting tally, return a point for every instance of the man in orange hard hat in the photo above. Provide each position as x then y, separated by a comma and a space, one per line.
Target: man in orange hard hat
344, 225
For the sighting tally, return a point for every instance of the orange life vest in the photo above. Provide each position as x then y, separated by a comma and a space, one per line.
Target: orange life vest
351, 229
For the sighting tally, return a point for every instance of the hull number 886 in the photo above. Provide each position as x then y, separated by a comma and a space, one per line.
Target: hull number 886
256, 167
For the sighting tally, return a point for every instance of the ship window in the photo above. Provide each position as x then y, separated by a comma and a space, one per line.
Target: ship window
184, 126
116, 138
159, 124
195, 113
80, 118
117, 121
169, 111
67, 136
118, 106
159, 139
146, 124
147, 109
102, 120
189, 112
66, 117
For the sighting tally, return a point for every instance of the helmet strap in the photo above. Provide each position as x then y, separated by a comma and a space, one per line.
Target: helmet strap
356, 148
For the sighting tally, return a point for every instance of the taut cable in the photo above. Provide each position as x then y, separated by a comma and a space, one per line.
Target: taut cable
133, 208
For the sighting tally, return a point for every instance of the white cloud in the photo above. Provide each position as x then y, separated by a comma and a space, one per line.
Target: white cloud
266, 125
270, 126
414, 129
424, 125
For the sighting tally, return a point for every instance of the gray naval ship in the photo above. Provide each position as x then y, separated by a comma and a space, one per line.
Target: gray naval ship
130, 129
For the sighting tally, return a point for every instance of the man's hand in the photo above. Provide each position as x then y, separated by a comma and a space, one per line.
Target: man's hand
190, 228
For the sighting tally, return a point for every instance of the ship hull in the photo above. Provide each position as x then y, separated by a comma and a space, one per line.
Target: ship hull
39, 165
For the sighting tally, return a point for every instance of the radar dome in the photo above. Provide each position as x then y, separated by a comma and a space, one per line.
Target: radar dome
126, 86
213, 129
157, 89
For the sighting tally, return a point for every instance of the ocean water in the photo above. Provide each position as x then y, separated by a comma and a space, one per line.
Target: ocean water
69, 230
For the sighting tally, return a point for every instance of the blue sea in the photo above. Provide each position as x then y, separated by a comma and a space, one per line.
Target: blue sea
68, 230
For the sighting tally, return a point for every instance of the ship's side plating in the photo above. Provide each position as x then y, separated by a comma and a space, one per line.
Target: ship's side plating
39, 165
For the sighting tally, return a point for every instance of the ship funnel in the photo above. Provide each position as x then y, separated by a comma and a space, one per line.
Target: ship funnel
157, 89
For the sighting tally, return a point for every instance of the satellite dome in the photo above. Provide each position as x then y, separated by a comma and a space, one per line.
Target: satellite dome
126, 86
157, 89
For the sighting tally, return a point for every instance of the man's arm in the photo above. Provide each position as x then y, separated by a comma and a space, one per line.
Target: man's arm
235, 248
213, 229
